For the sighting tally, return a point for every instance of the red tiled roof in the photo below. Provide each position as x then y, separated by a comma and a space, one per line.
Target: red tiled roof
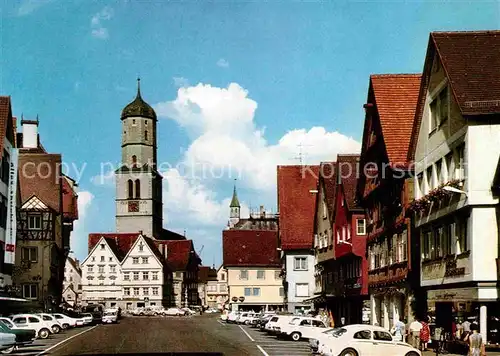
347, 172
178, 252
120, 243
396, 98
250, 248
296, 205
205, 274
40, 175
328, 178
170, 235
70, 200
472, 63
6, 121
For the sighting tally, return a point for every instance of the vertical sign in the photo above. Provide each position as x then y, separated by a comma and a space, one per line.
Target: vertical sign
11, 228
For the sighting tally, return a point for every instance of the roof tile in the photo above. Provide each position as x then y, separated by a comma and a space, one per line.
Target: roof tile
249, 248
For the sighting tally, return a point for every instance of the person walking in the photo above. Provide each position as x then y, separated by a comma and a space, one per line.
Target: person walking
414, 333
476, 343
399, 330
425, 334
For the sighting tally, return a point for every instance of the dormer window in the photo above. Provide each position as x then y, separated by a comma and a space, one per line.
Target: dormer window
35, 222
102, 246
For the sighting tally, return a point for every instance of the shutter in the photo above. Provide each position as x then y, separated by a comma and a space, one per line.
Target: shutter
409, 190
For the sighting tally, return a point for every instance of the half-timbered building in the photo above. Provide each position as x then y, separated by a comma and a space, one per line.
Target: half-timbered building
384, 192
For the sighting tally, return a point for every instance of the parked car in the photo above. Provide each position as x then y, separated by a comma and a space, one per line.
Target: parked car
110, 316
23, 336
67, 321
55, 326
274, 324
232, 317
301, 328
30, 321
361, 340
320, 336
175, 311
7, 341
87, 318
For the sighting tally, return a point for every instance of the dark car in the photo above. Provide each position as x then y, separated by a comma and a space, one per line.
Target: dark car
23, 336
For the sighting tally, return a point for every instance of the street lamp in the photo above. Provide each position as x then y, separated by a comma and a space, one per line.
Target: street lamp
454, 190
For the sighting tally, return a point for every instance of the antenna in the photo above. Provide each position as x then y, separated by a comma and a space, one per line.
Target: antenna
301, 155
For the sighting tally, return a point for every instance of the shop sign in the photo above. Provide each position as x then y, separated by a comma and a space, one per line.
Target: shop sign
242, 299
460, 294
10, 231
451, 269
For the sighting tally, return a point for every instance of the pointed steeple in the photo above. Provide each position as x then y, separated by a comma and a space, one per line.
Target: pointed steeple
235, 203
138, 107
138, 96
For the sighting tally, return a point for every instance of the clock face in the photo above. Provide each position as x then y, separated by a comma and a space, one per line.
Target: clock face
133, 206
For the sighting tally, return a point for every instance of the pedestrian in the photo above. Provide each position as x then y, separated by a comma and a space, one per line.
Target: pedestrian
414, 332
399, 330
476, 344
425, 334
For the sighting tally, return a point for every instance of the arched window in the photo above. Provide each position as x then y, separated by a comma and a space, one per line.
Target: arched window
134, 161
130, 189
137, 188
146, 135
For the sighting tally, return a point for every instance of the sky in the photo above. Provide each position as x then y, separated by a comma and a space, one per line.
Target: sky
238, 87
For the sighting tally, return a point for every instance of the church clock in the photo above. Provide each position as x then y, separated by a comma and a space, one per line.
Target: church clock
133, 206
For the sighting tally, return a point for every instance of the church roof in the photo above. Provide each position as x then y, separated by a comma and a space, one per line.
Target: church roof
235, 203
138, 107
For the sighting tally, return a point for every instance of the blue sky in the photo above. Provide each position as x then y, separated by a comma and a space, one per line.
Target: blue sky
237, 87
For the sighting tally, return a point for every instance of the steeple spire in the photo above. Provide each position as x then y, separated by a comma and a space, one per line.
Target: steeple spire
235, 203
138, 87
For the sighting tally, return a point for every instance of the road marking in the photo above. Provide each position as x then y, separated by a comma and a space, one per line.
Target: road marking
220, 322
63, 341
247, 334
262, 350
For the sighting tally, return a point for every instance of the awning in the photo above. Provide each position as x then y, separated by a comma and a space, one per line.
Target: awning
319, 298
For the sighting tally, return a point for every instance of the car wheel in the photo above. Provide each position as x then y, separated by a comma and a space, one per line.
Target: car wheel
247, 322
44, 333
65, 326
56, 329
411, 353
295, 336
349, 352
9, 350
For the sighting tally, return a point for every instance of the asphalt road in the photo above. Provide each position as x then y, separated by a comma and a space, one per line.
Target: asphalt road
162, 335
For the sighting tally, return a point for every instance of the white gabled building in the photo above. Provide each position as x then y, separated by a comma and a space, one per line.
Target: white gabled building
143, 275
101, 274
72, 284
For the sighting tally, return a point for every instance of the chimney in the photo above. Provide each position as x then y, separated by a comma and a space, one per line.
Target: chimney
30, 133
262, 212
140, 232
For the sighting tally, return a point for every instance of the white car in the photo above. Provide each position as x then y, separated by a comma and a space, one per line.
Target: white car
87, 318
30, 321
232, 317
301, 328
110, 316
67, 321
7, 342
55, 326
174, 311
245, 318
364, 340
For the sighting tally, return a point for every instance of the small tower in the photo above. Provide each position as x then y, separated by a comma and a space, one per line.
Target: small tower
234, 215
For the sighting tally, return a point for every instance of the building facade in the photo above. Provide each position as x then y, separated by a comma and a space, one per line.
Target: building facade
72, 284
457, 126
296, 201
217, 291
48, 208
206, 278
350, 271
384, 191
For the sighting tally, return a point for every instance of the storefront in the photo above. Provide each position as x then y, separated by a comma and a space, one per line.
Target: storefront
389, 305
447, 307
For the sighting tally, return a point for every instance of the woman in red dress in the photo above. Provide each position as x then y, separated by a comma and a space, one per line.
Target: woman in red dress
425, 334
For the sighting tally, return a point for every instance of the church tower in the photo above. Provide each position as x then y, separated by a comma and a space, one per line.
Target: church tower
234, 214
138, 184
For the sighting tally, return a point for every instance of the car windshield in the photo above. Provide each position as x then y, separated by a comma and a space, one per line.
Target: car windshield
7, 323
335, 332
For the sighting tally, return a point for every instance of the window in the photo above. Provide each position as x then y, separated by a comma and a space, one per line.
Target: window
462, 234
439, 109
102, 259
93, 258
144, 260
248, 292
282, 292
145, 276
141, 247
133, 121
134, 161
101, 269
30, 291
426, 245
112, 269
145, 291
244, 274
277, 274
460, 162
325, 211
126, 291
363, 335
30, 254
439, 171
381, 335
300, 264
126, 276
136, 276
146, 122
361, 226
111, 259
155, 290
137, 189
90, 268
145, 135
256, 292
305, 322
223, 288
155, 276
261, 275
34, 222
302, 290
130, 189
135, 260
223, 277
136, 290
421, 188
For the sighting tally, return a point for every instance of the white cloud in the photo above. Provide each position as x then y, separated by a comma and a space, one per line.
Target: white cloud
29, 6
222, 63
80, 234
219, 118
104, 179
96, 23
180, 82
